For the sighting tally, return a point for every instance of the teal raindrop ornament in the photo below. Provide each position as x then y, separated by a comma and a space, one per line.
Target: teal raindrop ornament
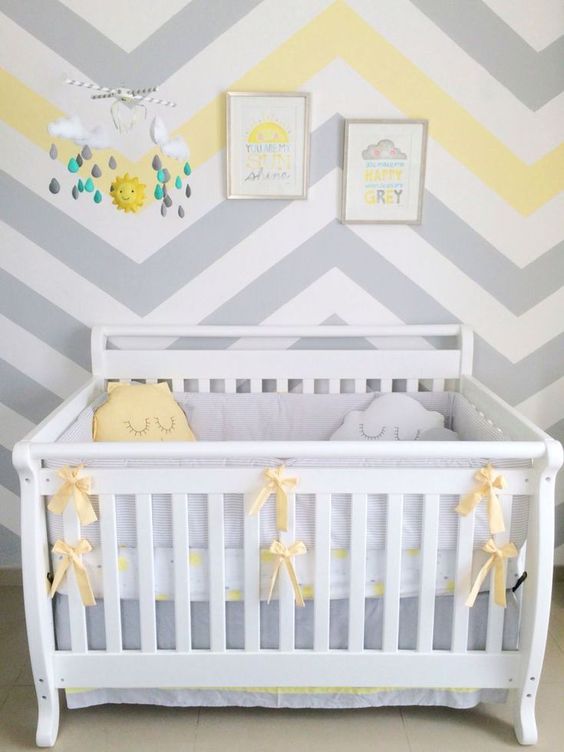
54, 186
80, 185
178, 182
187, 168
161, 176
188, 190
158, 192
89, 185
98, 197
73, 165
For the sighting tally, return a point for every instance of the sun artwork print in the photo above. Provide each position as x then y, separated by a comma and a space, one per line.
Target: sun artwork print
128, 194
269, 153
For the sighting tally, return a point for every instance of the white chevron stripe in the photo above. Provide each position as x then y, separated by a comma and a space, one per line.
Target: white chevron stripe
9, 510
545, 408
539, 25
514, 336
128, 24
39, 361
57, 282
13, 427
521, 239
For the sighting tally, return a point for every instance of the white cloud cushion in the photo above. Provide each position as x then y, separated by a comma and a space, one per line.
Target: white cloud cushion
391, 417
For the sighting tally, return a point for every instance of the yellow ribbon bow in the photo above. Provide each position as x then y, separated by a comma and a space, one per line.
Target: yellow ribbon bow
487, 483
72, 555
281, 486
497, 561
78, 488
285, 556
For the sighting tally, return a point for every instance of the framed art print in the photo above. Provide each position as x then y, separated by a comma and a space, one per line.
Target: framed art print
267, 145
384, 171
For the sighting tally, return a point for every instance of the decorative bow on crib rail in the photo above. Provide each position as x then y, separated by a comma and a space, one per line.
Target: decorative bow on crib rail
488, 481
497, 562
78, 488
285, 556
73, 555
281, 486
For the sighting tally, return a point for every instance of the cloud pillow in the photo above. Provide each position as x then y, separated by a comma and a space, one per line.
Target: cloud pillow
391, 417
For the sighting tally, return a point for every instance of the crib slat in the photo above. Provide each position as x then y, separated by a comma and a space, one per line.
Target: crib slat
359, 506
77, 613
322, 572
437, 385
462, 584
256, 386
252, 576
360, 386
308, 386
496, 614
281, 386
412, 385
385, 385
146, 571
429, 538
204, 385
178, 385
334, 386
110, 573
181, 545
230, 386
216, 567
286, 604
393, 571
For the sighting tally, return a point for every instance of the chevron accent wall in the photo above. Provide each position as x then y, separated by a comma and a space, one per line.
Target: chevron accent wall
487, 74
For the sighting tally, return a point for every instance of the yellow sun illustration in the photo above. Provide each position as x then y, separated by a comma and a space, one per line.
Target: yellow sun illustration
268, 133
127, 193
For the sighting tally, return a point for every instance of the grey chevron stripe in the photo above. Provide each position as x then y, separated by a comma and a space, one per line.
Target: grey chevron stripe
176, 42
534, 77
7, 472
559, 525
326, 250
10, 554
45, 320
142, 287
24, 395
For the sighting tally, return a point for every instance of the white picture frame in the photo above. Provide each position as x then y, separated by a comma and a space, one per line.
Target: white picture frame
267, 145
383, 171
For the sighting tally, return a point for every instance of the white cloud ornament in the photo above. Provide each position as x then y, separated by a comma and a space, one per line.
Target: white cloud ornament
391, 417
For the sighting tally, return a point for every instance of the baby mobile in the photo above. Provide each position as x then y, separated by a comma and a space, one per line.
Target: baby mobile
127, 192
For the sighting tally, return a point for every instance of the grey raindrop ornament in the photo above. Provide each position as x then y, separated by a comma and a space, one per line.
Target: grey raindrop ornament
75, 193
79, 160
188, 190
112, 164
53, 153
163, 210
167, 201
86, 152
156, 163
96, 171
181, 212
164, 190
54, 186
166, 176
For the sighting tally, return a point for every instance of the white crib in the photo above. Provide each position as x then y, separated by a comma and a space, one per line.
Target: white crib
260, 357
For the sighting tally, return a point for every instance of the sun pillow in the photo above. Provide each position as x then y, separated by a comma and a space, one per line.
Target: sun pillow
140, 412
391, 417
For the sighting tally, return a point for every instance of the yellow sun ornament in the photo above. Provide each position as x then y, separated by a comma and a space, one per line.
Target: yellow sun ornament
127, 193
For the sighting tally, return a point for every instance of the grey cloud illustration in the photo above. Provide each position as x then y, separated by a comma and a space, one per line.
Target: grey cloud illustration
384, 149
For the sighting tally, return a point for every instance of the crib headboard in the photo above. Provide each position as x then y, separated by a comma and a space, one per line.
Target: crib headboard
267, 358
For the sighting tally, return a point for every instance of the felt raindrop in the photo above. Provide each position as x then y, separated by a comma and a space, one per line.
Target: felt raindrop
166, 176
79, 160
181, 212
96, 171
86, 152
75, 193
80, 185
53, 152
158, 192
73, 165
178, 182
167, 201
188, 190
98, 197
54, 186
163, 210
187, 168
89, 185
165, 191
161, 176
112, 164
156, 163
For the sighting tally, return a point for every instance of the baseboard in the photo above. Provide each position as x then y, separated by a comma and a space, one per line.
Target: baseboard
10, 576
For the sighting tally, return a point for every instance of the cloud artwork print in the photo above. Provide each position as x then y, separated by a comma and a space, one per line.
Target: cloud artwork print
383, 171
267, 145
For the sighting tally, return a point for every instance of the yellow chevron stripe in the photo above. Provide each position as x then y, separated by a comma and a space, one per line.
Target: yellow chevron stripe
337, 32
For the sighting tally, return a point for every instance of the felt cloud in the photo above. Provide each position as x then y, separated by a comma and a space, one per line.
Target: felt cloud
177, 148
384, 149
73, 130
391, 417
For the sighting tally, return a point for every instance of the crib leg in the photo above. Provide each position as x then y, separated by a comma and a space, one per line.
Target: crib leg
524, 721
47, 716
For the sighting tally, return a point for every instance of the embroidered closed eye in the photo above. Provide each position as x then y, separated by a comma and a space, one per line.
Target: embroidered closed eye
165, 429
394, 429
367, 436
137, 431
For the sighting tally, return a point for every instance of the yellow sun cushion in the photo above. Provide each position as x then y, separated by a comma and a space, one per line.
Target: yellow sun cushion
140, 412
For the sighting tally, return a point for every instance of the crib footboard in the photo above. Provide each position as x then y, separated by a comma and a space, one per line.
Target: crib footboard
284, 666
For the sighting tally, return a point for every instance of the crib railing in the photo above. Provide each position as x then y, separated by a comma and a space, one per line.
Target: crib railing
322, 482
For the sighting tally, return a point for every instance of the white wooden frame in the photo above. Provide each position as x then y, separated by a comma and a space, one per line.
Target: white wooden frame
149, 667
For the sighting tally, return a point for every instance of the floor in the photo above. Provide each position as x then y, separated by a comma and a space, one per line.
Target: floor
412, 729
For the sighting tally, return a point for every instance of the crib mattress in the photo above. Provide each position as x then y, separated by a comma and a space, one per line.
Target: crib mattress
312, 697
